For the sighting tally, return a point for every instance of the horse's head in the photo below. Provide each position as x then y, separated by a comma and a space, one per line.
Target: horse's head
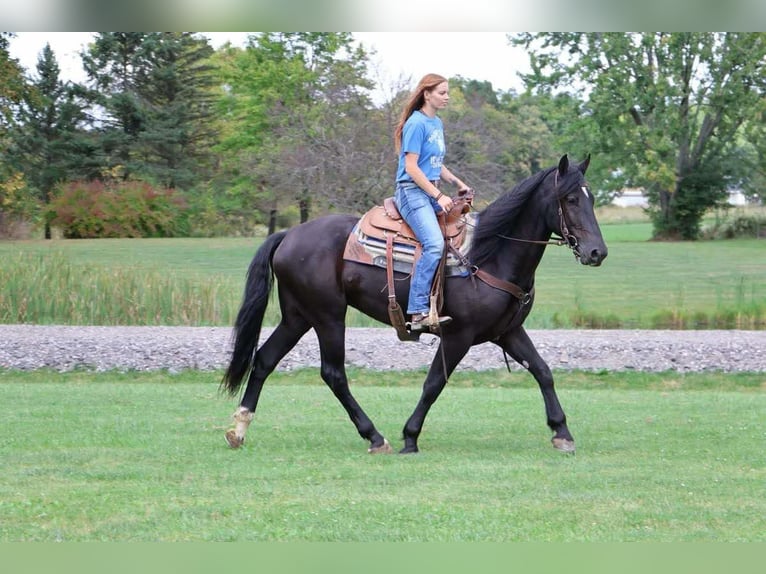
576, 217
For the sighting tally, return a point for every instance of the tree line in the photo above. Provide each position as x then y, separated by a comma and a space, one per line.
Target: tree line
168, 136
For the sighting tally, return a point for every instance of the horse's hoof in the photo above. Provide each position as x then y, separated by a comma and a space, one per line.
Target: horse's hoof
409, 450
385, 448
233, 440
563, 445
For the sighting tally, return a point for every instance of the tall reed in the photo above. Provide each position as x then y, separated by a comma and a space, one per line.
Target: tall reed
52, 287
48, 288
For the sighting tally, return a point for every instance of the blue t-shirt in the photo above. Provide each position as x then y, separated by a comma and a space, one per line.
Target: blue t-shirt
424, 136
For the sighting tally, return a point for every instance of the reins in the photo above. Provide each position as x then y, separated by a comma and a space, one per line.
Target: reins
566, 239
558, 241
524, 297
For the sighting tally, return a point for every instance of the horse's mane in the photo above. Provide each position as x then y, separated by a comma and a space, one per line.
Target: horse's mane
499, 217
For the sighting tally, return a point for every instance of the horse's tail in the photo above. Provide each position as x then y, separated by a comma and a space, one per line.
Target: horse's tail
247, 327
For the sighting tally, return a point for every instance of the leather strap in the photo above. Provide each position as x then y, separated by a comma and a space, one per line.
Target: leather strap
503, 285
394, 310
492, 281
390, 271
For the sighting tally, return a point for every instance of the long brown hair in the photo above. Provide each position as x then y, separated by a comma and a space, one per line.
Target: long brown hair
416, 101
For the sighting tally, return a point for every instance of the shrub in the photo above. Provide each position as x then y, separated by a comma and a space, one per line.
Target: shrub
17, 207
129, 209
741, 226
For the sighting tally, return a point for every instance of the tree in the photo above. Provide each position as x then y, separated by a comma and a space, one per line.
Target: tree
665, 110
298, 111
12, 87
260, 82
45, 140
174, 146
753, 150
334, 142
11, 83
116, 65
155, 90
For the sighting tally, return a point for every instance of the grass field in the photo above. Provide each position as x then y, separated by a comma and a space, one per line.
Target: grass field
642, 284
132, 456
141, 456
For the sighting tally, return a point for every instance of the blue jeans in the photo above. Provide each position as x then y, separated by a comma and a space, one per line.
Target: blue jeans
419, 211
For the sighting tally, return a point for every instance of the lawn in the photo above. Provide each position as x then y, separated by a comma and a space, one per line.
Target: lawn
141, 457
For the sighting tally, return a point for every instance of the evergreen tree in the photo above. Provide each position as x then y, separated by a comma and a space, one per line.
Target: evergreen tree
155, 91
115, 66
11, 84
45, 142
174, 146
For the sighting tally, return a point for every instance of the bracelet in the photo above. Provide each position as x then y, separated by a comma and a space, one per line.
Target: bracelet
438, 197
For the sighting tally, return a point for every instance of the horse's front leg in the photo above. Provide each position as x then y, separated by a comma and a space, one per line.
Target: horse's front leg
518, 345
454, 350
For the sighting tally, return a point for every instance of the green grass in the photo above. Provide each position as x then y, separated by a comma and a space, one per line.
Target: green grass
642, 284
141, 456
707, 284
209, 258
626, 232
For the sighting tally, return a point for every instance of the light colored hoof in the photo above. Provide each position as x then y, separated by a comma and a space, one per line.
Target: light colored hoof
563, 445
233, 440
385, 448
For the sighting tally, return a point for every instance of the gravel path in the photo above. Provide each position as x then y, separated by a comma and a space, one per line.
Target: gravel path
61, 348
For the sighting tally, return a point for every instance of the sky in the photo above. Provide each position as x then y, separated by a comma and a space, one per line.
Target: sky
401, 58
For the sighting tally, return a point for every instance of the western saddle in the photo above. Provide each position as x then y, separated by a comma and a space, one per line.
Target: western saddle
382, 238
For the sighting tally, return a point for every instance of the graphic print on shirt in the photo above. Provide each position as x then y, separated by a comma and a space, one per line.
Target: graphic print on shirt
436, 139
423, 136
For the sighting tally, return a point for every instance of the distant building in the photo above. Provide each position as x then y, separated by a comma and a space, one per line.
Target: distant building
736, 197
633, 197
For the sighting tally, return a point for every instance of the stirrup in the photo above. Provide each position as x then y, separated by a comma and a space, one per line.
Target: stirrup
424, 322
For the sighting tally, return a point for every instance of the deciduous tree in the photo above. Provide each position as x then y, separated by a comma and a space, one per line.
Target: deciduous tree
664, 111
299, 119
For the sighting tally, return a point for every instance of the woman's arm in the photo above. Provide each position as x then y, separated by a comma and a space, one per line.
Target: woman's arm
420, 179
449, 177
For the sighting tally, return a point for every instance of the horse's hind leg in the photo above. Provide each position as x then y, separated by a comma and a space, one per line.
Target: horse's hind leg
332, 351
281, 341
519, 346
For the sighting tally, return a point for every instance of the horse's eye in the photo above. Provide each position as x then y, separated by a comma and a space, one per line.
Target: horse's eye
572, 199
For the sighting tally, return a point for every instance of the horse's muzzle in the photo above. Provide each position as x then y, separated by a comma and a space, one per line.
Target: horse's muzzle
592, 257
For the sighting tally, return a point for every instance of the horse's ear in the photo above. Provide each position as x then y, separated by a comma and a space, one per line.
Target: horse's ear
584, 165
563, 165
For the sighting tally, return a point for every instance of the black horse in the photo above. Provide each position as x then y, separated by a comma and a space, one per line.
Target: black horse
316, 286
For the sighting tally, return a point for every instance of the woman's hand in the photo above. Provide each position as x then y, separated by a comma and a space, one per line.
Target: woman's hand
445, 202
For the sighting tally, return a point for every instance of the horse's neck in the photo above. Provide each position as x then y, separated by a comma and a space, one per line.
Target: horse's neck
517, 259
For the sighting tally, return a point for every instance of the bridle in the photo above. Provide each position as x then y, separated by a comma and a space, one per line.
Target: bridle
567, 238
